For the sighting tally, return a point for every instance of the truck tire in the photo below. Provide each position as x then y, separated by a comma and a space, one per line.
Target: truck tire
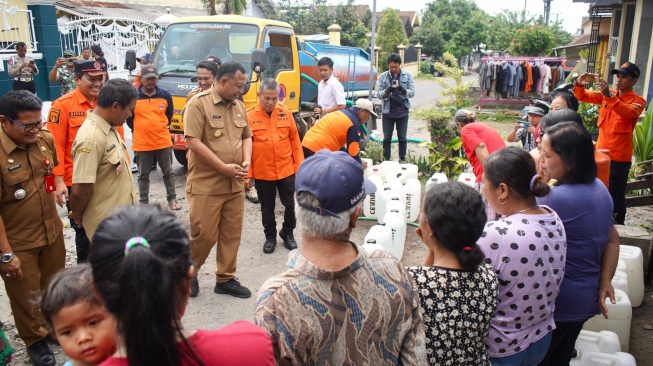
180, 155
302, 127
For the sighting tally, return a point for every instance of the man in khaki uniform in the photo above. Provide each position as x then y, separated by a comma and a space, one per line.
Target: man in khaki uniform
22, 68
31, 237
220, 149
102, 179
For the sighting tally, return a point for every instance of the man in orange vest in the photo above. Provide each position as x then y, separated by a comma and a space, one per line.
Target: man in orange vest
620, 109
66, 116
276, 155
151, 141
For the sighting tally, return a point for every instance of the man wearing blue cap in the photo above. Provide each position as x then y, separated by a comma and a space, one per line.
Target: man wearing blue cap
335, 295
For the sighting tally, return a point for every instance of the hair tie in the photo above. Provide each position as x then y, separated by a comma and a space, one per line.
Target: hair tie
533, 180
467, 249
138, 240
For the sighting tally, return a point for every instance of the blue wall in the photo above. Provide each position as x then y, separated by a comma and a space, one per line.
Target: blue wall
48, 44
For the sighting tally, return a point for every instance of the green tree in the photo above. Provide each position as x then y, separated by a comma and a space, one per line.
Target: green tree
234, 6
560, 36
390, 34
230, 6
503, 26
532, 41
456, 26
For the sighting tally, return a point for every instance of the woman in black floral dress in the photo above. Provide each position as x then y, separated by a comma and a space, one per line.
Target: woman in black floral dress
458, 293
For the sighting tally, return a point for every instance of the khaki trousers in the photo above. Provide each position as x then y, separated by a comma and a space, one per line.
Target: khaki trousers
218, 219
38, 266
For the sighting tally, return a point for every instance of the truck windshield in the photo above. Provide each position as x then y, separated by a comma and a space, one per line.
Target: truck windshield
184, 45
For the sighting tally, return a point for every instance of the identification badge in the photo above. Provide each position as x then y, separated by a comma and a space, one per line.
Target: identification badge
49, 183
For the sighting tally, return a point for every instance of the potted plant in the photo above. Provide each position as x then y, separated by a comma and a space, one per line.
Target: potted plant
589, 114
584, 54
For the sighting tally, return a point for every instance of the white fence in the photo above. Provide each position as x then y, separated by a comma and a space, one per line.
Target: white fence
115, 35
16, 25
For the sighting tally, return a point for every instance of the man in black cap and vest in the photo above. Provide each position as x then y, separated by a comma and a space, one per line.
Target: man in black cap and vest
618, 115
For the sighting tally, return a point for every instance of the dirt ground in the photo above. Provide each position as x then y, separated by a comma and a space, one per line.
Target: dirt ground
211, 311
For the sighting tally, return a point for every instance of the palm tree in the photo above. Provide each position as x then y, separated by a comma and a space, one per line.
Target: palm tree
235, 6
230, 6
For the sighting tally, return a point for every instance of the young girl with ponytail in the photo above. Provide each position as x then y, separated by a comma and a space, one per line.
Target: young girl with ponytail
140, 258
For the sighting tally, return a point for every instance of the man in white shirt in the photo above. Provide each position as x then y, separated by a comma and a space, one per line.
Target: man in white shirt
330, 93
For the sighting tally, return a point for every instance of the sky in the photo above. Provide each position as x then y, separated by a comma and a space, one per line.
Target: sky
568, 12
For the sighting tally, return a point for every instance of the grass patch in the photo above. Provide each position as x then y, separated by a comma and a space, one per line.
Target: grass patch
506, 116
423, 76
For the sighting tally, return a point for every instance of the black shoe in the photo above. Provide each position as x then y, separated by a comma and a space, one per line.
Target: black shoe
40, 354
194, 287
233, 288
288, 240
269, 245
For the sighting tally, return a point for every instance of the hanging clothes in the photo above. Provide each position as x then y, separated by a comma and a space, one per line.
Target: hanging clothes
546, 79
529, 80
524, 78
561, 75
536, 79
554, 76
516, 81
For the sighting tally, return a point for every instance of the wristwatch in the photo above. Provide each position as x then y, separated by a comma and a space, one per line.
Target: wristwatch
7, 257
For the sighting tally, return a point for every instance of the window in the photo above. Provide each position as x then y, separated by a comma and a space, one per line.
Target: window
278, 49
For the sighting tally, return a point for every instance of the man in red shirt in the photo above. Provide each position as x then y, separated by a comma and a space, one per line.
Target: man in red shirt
479, 141
276, 155
620, 109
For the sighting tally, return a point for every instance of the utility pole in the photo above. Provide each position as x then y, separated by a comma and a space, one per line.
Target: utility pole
547, 11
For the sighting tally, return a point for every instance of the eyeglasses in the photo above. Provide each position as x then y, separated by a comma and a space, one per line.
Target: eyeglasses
28, 127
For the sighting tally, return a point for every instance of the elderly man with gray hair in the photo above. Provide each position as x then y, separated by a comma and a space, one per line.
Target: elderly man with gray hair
337, 304
276, 155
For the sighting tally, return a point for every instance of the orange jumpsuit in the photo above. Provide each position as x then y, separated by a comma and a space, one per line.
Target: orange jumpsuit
66, 116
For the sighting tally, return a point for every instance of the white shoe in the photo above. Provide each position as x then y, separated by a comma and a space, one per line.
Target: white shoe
251, 195
134, 168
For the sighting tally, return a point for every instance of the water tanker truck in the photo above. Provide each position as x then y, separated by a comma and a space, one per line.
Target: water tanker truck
253, 42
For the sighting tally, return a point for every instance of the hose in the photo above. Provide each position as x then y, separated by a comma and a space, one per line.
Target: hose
312, 81
394, 141
363, 218
349, 104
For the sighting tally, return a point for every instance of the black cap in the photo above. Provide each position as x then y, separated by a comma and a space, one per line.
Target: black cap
149, 71
93, 68
629, 69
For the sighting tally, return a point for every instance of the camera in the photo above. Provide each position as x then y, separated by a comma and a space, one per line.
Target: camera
524, 124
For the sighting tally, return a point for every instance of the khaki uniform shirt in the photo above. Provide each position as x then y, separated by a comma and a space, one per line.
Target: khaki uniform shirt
221, 126
33, 221
100, 157
13, 68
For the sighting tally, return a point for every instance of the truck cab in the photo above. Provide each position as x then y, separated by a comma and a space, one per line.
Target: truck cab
187, 41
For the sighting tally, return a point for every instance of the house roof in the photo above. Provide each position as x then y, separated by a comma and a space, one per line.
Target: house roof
83, 8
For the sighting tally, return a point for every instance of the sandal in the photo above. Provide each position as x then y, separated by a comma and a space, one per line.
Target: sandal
174, 205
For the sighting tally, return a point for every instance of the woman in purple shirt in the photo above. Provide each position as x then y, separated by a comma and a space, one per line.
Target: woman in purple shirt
585, 208
526, 248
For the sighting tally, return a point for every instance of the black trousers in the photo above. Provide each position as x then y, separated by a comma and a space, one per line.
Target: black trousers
562, 344
307, 153
267, 195
82, 243
29, 86
617, 188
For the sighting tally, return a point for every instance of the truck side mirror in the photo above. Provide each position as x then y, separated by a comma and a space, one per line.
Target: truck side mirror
130, 60
259, 61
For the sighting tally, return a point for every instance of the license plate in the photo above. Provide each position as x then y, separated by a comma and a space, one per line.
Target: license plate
178, 139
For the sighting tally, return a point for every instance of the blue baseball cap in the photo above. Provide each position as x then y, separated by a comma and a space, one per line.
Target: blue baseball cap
335, 179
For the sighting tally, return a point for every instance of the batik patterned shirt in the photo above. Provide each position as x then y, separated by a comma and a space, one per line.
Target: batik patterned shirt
457, 306
364, 314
